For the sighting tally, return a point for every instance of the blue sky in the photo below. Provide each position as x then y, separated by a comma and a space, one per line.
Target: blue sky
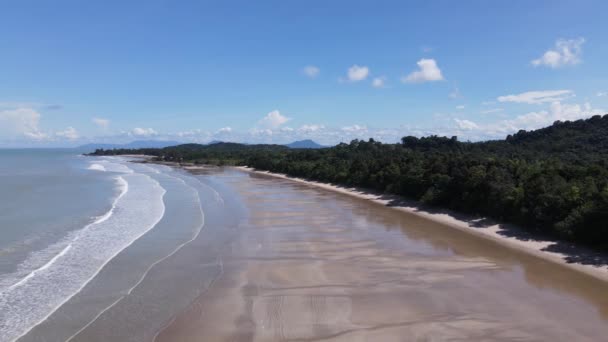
72, 72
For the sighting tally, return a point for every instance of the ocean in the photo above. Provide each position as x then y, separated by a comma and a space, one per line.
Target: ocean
64, 217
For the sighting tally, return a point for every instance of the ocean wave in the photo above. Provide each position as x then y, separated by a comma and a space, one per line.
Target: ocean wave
114, 165
96, 167
40, 260
196, 232
80, 256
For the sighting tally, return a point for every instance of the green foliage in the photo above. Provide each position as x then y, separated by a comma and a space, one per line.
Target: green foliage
553, 180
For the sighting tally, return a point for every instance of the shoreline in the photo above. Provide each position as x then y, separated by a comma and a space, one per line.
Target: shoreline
505, 235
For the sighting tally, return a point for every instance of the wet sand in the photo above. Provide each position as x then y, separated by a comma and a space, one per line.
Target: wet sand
308, 264
569, 255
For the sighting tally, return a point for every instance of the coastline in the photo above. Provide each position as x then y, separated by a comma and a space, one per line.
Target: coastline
577, 258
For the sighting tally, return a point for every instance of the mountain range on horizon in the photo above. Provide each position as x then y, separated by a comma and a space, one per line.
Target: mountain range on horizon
303, 144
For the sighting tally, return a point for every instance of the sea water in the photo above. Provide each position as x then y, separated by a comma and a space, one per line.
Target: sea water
68, 231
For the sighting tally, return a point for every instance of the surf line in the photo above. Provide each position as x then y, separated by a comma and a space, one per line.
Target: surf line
124, 186
218, 197
179, 247
101, 267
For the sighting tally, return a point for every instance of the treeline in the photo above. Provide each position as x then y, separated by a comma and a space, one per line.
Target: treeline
553, 180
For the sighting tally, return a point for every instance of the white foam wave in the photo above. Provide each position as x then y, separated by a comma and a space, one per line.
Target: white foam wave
96, 167
32, 264
42, 268
217, 196
195, 234
149, 169
34, 298
114, 165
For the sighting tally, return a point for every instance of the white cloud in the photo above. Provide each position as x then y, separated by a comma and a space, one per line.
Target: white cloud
354, 128
488, 103
378, 82
21, 122
566, 52
557, 111
602, 93
311, 71
490, 111
461, 107
196, 134
143, 132
529, 121
357, 73
257, 132
310, 128
536, 97
466, 124
429, 71
224, 130
272, 120
101, 122
69, 133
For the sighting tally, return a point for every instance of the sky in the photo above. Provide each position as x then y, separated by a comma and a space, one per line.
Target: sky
74, 72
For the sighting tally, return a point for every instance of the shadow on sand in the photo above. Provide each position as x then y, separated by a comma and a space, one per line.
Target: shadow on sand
572, 253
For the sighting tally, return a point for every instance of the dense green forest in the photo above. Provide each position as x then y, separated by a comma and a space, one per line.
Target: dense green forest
552, 180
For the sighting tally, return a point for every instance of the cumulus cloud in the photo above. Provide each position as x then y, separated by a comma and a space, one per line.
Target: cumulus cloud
272, 120
21, 122
224, 130
602, 93
258, 132
143, 132
378, 82
193, 133
311, 71
354, 128
557, 111
357, 73
428, 72
565, 52
69, 133
461, 107
466, 124
310, 128
536, 97
101, 122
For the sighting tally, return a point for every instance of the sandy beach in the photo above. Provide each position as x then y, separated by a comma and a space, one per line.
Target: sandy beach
308, 264
575, 257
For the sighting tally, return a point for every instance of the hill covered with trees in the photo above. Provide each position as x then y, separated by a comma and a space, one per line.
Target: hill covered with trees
552, 180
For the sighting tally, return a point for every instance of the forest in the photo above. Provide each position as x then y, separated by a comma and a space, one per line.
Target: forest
552, 180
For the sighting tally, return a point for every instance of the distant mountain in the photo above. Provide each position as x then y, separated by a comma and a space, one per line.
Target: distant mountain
304, 144
133, 144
